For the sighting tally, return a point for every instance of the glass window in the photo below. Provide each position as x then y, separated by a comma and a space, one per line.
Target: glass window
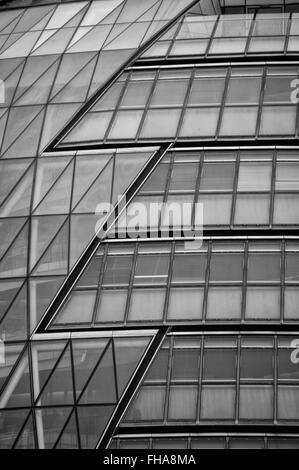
243, 90
233, 25
266, 44
206, 91
256, 364
217, 176
199, 122
157, 180
160, 123
136, 94
146, 305
149, 405
78, 309
185, 303
183, 177
238, 121
270, 25
287, 176
224, 303
217, 402
169, 93
286, 209
288, 402
189, 267
112, 306
216, 209
256, 402
278, 120
118, 270
151, 269
278, 89
262, 303
227, 46
219, 364
254, 176
92, 127
292, 267
252, 209
182, 403
264, 267
158, 369
185, 365
125, 125
291, 303
226, 267
194, 47
287, 370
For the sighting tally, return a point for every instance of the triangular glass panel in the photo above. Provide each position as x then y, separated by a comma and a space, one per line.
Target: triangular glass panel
10, 173
86, 354
9, 65
3, 120
92, 422
81, 31
99, 192
22, 47
57, 43
92, 41
149, 15
50, 422
26, 144
9, 229
39, 92
131, 37
10, 40
11, 24
134, 10
69, 438
10, 86
40, 26
112, 17
56, 117
10, 357
55, 260
76, 20
88, 167
8, 291
70, 65
76, 89
101, 387
11, 424
82, 231
8, 17
44, 37
59, 388
57, 200
14, 262
17, 393
117, 29
26, 439
42, 291
98, 11
18, 202
63, 14
31, 17
45, 355
128, 353
48, 171
19, 119
43, 230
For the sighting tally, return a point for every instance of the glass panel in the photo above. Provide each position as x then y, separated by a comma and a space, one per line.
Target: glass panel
182, 403
219, 364
256, 364
136, 94
199, 122
252, 209
118, 270
183, 177
160, 123
286, 209
287, 176
189, 268
217, 402
238, 121
262, 303
125, 125
78, 309
226, 268
278, 120
288, 402
216, 209
256, 402
149, 405
217, 177
169, 92
185, 365
264, 267
151, 269
112, 306
254, 177
243, 90
146, 305
185, 304
278, 90
291, 303
287, 369
224, 303
206, 91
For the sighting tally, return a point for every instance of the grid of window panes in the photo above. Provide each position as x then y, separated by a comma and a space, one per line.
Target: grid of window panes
266, 6
220, 379
61, 393
194, 102
237, 188
222, 441
248, 280
236, 34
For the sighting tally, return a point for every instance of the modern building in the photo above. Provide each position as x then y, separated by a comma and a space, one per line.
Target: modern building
149, 224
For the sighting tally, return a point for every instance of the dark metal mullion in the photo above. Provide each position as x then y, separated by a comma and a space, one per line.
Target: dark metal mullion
15, 237
174, 37
212, 37
116, 109
287, 34
115, 371
168, 285
167, 186
13, 369
207, 279
244, 284
238, 387
30, 414
249, 37
282, 279
272, 194
168, 379
11, 191
223, 101
235, 189
38, 398
147, 104
275, 384
297, 117
185, 102
261, 104
112, 178
99, 286
200, 378
77, 402
131, 280
196, 191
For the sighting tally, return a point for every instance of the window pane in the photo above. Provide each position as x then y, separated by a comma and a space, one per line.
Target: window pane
287, 176
136, 94
217, 176
146, 305
226, 268
256, 364
125, 125
157, 181
286, 368
263, 267
267, 44
278, 120
252, 209
217, 403
286, 209
243, 90
112, 306
183, 177
262, 303
199, 122
189, 268
182, 403
224, 303
227, 46
291, 303
238, 121
185, 304
254, 177
158, 369
118, 270
169, 92
288, 402
78, 309
278, 90
160, 123
256, 402
151, 269
219, 364
185, 365
149, 405
216, 209
206, 91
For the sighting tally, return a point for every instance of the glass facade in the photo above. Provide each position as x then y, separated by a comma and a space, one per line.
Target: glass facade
119, 332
